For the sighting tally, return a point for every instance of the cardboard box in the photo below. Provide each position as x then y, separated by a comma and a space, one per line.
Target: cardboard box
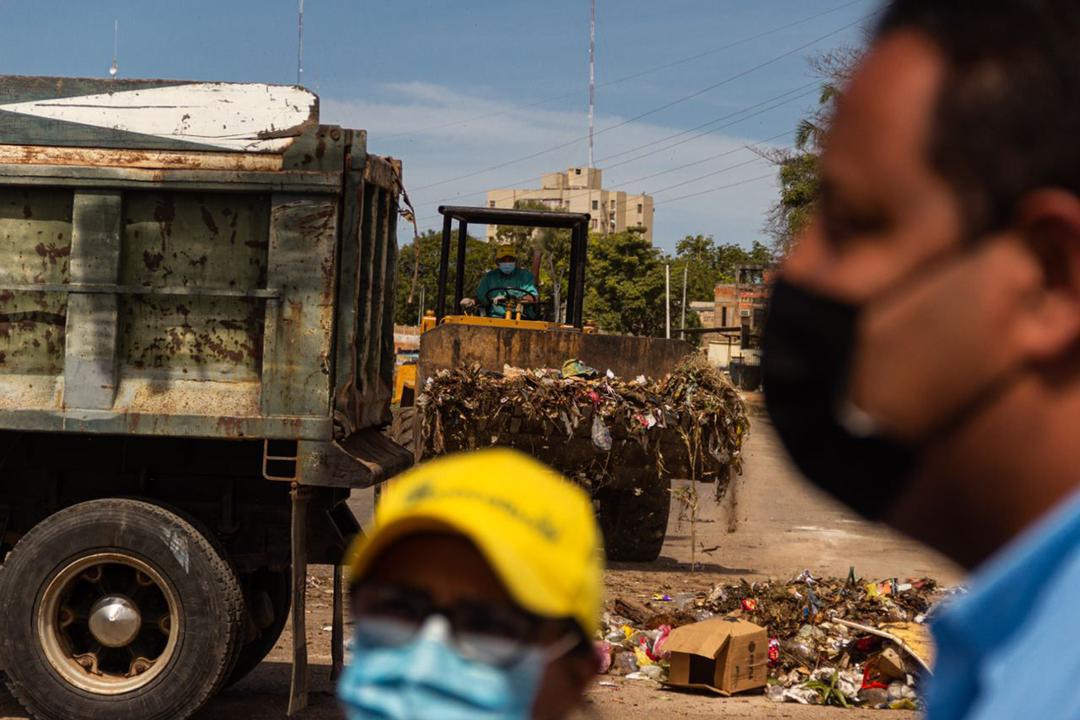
890, 664
725, 655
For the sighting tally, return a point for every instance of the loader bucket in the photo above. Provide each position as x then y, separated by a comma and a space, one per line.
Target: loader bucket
634, 505
454, 346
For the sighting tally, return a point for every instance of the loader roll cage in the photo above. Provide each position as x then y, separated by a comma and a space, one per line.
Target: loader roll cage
576, 223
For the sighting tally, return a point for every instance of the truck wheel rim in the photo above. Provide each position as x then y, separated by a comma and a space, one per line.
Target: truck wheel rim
109, 623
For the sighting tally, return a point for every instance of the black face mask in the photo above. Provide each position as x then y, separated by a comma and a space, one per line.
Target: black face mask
806, 364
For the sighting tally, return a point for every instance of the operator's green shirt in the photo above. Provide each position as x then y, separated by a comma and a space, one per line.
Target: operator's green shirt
520, 279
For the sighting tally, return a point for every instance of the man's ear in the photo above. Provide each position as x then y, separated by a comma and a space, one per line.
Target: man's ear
1049, 221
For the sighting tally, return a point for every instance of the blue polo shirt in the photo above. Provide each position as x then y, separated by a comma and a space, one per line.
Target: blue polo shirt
1011, 648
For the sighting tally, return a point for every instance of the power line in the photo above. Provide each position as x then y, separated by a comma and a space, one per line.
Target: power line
717, 189
651, 143
766, 33
742, 111
729, 186
709, 158
627, 78
708, 132
726, 153
721, 171
653, 111
672, 136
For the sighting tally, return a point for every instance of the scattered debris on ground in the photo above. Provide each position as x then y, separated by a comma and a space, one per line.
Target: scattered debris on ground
848, 643
690, 424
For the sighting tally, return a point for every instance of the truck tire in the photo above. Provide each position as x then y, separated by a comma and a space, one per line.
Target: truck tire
268, 600
118, 608
403, 428
634, 520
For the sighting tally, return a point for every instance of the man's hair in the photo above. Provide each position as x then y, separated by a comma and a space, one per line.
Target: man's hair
1007, 120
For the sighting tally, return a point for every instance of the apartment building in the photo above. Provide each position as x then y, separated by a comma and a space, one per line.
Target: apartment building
581, 190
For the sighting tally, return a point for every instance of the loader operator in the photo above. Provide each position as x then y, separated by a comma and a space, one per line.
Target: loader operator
476, 594
507, 281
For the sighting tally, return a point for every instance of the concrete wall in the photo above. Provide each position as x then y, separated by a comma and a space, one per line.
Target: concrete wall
720, 353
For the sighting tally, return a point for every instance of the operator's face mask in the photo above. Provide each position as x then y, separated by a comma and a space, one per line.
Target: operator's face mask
807, 358
506, 267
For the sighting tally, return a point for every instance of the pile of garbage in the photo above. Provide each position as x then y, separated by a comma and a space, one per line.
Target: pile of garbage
838, 642
690, 424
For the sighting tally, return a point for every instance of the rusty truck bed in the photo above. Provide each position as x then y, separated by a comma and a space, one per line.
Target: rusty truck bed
160, 277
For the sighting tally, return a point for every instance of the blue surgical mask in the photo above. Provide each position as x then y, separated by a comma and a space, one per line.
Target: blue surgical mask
507, 267
398, 675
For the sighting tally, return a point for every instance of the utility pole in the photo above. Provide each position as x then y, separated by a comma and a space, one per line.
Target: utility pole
300, 46
685, 275
667, 300
592, 76
420, 311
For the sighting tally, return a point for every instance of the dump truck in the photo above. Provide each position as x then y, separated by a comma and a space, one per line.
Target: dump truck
196, 363
633, 506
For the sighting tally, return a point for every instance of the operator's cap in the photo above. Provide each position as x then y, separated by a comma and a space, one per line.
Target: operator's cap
536, 529
505, 251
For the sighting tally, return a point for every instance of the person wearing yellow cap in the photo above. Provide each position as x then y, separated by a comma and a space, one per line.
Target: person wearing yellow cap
476, 595
507, 280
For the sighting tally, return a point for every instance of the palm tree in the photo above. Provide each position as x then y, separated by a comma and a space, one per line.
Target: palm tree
810, 131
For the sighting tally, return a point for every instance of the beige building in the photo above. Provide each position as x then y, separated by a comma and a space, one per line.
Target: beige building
581, 190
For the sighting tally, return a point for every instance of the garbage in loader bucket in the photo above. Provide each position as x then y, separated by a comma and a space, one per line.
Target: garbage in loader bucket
725, 655
623, 440
690, 424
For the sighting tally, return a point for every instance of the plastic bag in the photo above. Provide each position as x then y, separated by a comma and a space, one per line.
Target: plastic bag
601, 436
575, 368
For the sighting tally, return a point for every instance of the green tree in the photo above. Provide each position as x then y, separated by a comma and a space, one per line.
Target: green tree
758, 254
478, 260
624, 286
554, 248
624, 276
798, 168
698, 256
625, 281
708, 264
799, 191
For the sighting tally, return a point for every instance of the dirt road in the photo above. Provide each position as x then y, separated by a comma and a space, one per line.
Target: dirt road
782, 528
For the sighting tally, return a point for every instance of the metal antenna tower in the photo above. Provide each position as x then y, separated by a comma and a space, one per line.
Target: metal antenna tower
592, 75
115, 67
300, 46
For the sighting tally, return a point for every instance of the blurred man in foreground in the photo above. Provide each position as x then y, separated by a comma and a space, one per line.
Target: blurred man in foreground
476, 596
922, 358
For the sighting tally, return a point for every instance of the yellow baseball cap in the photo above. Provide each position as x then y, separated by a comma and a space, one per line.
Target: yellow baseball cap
505, 251
535, 528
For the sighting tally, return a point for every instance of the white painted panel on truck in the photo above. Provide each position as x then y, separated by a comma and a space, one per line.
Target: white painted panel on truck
240, 117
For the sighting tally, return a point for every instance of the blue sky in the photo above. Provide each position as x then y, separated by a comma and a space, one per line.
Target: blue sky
454, 87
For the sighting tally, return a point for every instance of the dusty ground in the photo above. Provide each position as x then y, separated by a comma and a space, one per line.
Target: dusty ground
782, 528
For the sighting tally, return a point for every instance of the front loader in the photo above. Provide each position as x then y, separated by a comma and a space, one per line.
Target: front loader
633, 506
